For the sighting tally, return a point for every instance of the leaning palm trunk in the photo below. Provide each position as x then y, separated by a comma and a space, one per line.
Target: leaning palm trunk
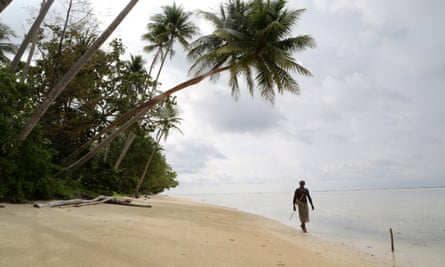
4, 4
163, 59
155, 58
63, 82
32, 32
136, 114
30, 55
131, 137
147, 165
124, 150
33, 44
107, 150
110, 127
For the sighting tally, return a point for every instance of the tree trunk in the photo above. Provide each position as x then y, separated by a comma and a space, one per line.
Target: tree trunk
131, 137
4, 4
147, 165
138, 112
155, 58
163, 58
60, 86
107, 150
33, 45
32, 31
65, 26
124, 150
58, 203
110, 127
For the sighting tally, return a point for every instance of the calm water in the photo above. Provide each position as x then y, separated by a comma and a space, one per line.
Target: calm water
362, 219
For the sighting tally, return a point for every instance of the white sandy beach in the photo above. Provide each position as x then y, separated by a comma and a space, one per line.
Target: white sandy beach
174, 232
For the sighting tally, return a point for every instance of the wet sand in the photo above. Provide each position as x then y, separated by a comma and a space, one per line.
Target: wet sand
174, 232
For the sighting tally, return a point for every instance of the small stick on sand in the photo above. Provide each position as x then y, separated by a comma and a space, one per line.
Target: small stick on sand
392, 239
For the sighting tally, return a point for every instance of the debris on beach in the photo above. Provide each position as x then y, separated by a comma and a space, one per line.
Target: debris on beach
127, 201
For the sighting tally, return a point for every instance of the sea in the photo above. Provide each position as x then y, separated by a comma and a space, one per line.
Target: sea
360, 219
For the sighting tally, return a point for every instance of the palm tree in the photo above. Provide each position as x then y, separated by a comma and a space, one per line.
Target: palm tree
249, 38
63, 82
5, 45
167, 27
168, 119
135, 69
172, 25
252, 38
163, 30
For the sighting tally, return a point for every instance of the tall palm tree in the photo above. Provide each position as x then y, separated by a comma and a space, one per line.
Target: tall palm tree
5, 45
250, 39
173, 24
135, 69
165, 28
168, 119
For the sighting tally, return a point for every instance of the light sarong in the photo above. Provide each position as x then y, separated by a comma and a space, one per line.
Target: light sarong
303, 212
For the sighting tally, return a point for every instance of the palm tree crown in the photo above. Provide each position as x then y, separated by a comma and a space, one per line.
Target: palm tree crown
253, 40
173, 24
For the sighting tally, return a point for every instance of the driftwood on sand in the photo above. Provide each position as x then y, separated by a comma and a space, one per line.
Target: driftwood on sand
84, 202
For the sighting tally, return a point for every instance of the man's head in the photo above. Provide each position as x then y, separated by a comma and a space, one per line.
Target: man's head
302, 183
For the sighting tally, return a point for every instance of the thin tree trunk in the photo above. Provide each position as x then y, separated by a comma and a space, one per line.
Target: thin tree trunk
163, 58
147, 165
107, 150
112, 125
138, 113
34, 28
124, 150
63, 82
65, 26
60, 46
144, 173
33, 46
155, 58
30, 55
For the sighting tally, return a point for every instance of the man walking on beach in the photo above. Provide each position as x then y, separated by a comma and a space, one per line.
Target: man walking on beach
301, 196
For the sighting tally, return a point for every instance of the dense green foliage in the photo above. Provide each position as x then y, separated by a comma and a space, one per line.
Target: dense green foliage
100, 177
26, 168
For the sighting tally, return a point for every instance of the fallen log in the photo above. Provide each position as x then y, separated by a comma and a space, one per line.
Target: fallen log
84, 202
95, 202
126, 202
59, 203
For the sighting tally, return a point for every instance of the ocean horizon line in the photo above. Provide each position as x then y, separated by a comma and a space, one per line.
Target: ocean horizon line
316, 190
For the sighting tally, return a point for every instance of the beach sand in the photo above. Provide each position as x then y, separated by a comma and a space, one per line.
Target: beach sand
174, 232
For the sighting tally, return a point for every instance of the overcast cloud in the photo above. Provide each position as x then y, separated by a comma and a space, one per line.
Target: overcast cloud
371, 116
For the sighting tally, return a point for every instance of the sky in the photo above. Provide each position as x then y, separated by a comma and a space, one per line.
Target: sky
371, 116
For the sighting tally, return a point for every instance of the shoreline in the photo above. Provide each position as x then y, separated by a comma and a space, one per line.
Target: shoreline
174, 232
